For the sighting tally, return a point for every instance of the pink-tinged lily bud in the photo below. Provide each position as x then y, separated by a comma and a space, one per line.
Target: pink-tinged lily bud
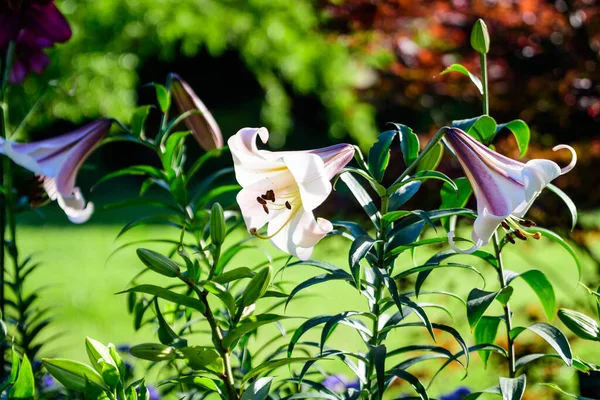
57, 161
505, 188
282, 189
203, 126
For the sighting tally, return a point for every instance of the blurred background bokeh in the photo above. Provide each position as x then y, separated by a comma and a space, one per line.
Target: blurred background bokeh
314, 73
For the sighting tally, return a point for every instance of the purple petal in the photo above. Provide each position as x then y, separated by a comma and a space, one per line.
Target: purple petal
47, 21
18, 72
37, 61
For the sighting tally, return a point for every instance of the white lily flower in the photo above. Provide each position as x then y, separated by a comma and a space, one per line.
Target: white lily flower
57, 161
282, 189
504, 188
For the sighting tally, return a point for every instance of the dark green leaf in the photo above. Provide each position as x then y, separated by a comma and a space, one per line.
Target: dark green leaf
134, 170
409, 143
411, 379
270, 365
378, 354
452, 198
358, 250
166, 334
203, 358
379, 154
421, 176
403, 194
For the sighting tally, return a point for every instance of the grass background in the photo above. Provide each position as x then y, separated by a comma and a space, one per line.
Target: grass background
80, 277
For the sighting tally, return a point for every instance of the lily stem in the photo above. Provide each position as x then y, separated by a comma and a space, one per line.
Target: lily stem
375, 308
507, 312
484, 81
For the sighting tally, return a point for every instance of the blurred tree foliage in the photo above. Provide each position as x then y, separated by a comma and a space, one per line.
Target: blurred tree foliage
279, 41
543, 68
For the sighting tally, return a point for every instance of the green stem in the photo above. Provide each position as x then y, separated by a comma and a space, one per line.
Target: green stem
484, 81
507, 313
375, 308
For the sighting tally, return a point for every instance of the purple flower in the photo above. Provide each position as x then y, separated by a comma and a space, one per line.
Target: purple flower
205, 129
505, 189
47, 381
34, 25
40, 17
340, 384
57, 161
153, 394
458, 394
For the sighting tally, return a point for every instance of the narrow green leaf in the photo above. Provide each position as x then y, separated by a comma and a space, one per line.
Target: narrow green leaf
362, 197
379, 154
234, 275
558, 389
403, 194
520, 131
412, 380
248, 325
273, 364
557, 239
203, 358
568, 202
452, 198
513, 389
359, 250
166, 334
153, 352
463, 70
378, 354
169, 296
552, 335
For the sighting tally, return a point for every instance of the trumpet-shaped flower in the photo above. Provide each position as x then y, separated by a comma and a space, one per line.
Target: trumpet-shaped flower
504, 188
282, 189
57, 161
203, 126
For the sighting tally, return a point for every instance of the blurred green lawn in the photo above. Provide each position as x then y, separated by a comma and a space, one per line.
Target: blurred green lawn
81, 281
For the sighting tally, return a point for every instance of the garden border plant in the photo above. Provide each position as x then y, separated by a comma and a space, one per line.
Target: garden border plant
207, 319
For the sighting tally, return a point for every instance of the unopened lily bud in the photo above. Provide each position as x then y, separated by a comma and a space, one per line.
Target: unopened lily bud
257, 287
153, 352
158, 263
218, 228
202, 124
73, 374
480, 38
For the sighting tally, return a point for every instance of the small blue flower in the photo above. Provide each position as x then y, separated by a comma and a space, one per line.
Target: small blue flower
458, 394
154, 394
47, 381
123, 348
340, 384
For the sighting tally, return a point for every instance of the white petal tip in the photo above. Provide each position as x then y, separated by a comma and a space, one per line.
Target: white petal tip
475, 247
571, 165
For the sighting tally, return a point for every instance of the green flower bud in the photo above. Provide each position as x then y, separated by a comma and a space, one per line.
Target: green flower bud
153, 352
73, 374
480, 38
218, 229
580, 324
158, 263
257, 287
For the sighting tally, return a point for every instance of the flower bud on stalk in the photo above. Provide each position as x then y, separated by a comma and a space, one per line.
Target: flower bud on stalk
218, 229
202, 124
158, 263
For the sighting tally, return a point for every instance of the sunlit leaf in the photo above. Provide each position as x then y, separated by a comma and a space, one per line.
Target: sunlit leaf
463, 70
379, 154
552, 335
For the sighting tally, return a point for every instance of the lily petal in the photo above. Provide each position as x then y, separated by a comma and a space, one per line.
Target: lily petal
74, 205
308, 171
